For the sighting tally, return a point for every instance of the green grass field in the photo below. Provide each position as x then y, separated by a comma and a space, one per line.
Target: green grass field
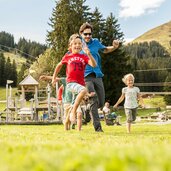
50, 148
3, 96
43, 148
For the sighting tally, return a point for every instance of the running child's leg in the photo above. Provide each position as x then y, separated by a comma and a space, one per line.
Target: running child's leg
79, 121
81, 91
77, 102
66, 120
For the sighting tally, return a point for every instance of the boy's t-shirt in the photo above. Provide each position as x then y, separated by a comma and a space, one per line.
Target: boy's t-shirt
76, 64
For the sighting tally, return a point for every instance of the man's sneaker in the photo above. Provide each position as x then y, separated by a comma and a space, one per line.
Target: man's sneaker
118, 124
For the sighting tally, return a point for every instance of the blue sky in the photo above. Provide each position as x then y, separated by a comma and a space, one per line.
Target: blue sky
29, 18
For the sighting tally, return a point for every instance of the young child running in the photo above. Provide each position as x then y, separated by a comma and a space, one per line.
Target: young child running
66, 99
75, 67
131, 94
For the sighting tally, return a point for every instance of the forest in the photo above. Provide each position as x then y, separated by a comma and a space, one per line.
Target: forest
25, 48
150, 63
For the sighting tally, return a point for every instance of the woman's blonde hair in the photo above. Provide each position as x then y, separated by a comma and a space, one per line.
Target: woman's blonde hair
126, 76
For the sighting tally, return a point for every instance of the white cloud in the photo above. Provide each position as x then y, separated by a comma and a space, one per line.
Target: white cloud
135, 8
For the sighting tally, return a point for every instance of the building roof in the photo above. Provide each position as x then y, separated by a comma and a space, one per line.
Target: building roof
29, 80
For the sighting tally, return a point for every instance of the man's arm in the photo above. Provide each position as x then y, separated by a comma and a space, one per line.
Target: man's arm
114, 46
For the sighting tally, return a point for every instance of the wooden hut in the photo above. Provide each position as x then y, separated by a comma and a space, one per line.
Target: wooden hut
29, 84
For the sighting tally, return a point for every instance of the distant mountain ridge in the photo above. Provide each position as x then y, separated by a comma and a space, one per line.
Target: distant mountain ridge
161, 34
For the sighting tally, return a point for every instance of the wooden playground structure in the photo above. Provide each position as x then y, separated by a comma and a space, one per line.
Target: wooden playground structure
42, 110
36, 111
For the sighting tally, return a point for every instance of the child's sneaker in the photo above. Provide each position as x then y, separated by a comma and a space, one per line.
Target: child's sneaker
73, 126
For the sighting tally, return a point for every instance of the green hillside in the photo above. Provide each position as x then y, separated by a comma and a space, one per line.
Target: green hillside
161, 34
18, 59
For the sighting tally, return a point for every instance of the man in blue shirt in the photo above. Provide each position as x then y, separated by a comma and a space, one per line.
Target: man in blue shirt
93, 76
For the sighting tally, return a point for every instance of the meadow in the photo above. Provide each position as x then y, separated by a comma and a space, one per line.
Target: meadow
42, 148
50, 148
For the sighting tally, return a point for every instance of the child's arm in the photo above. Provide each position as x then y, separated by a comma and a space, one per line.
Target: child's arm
91, 61
140, 99
57, 70
45, 77
119, 100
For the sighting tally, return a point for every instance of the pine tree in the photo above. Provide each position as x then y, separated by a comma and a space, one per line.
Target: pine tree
167, 98
115, 64
20, 77
97, 21
14, 73
66, 19
2, 69
8, 69
6, 41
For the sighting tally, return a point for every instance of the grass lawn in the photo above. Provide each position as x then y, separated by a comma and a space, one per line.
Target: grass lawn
48, 148
156, 101
3, 96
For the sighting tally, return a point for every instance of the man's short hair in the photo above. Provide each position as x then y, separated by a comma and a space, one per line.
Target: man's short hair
85, 26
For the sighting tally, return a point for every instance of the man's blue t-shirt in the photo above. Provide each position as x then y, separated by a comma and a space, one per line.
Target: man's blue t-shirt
95, 46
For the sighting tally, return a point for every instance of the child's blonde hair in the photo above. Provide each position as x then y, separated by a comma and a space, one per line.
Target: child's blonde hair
126, 76
72, 37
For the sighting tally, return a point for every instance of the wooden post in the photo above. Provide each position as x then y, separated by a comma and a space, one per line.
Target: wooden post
7, 110
49, 102
57, 103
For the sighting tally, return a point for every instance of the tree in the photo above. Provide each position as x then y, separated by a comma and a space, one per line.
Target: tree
66, 19
98, 22
167, 98
146, 50
43, 65
2, 69
6, 41
21, 75
14, 73
8, 69
115, 64
30, 49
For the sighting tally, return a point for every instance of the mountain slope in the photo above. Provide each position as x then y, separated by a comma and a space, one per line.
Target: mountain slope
161, 34
18, 59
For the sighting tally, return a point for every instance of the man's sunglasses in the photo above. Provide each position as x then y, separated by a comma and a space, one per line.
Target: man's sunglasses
85, 34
